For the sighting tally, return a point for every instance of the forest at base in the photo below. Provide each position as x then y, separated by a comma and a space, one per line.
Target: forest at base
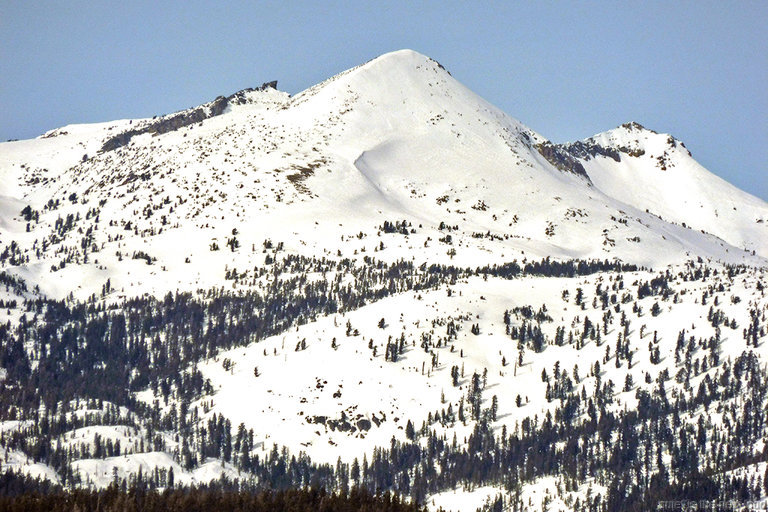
21, 493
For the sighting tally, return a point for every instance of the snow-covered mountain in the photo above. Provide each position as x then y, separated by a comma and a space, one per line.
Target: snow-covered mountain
656, 173
385, 268
394, 139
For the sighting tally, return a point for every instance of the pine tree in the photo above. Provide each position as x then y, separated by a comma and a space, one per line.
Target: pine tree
409, 431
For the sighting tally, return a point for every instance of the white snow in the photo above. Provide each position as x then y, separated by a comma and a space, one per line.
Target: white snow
394, 139
677, 188
19, 461
99, 473
351, 382
461, 500
397, 138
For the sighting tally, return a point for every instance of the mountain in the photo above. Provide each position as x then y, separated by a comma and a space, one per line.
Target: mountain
395, 139
656, 173
380, 272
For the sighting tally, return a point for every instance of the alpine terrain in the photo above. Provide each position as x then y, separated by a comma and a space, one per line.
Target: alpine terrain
382, 282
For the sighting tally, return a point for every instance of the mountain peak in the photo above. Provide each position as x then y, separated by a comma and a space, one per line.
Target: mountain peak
634, 126
631, 139
404, 58
403, 54
386, 206
400, 66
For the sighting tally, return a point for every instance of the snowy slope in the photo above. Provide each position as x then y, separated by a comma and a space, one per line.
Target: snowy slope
392, 160
297, 385
656, 173
397, 138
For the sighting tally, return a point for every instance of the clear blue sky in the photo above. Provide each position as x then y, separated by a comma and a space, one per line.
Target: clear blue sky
698, 70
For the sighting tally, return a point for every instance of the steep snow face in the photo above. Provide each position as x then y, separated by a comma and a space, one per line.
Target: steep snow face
153, 205
405, 121
655, 172
405, 91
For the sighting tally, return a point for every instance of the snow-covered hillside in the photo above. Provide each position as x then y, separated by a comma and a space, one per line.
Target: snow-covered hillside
656, 173
381, 281
330, 388
394, 139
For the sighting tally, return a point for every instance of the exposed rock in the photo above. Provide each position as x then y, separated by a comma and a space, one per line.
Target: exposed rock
561, 158
268, 85
168, 123
317, 419
441, 66
184, 118
636, 126
587, 150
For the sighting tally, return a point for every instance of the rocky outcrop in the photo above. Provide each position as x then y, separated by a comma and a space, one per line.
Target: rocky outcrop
173, 122
268, 85
586, 150
560, 158
168, 123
